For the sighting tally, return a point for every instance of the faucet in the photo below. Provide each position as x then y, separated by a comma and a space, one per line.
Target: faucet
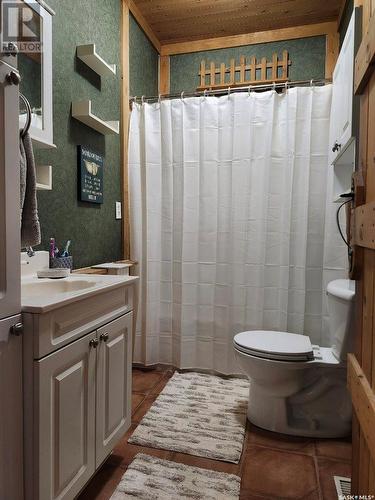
30, 252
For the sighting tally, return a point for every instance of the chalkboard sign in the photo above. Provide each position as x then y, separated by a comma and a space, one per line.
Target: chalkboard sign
90, 176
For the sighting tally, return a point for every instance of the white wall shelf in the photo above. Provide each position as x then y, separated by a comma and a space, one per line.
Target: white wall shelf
88, 54
44, 177
81, 110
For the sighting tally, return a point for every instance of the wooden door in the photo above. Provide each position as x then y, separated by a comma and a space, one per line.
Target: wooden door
113, 397
65, 455
361, 364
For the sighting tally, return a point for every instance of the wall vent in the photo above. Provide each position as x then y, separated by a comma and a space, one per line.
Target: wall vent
343, 486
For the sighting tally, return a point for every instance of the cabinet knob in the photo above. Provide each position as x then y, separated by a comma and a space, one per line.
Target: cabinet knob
94, 343
104, 337
13, 78
17, 329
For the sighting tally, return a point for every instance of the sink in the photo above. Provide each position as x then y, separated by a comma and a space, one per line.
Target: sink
44, 288
42, 295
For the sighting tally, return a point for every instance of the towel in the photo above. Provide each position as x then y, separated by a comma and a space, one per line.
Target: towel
30, 227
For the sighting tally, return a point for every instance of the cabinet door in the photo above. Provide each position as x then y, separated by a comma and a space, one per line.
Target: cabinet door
342, 98
10, 240
113, 398
11, 411
66, 436
346, 85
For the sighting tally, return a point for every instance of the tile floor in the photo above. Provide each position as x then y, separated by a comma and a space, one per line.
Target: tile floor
272, 466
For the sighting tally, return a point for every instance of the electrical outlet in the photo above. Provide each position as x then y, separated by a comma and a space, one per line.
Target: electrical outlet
118, 210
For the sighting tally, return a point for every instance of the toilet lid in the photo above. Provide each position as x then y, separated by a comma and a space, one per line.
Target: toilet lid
280, 346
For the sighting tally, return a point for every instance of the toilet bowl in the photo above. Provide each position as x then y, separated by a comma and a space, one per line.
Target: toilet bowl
295, 387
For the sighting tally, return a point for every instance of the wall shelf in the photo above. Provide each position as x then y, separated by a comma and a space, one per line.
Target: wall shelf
44, 177
81, 110
88, 54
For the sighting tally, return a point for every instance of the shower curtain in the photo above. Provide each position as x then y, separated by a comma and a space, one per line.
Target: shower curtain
231, 222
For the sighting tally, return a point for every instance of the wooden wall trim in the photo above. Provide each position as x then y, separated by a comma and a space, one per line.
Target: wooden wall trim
332, 52
363, 229
144, 25
365, 58
125, 117
363, 401
164, 75
250, 38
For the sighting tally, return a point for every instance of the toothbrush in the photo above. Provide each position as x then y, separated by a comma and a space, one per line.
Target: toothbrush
66, 250
52, 248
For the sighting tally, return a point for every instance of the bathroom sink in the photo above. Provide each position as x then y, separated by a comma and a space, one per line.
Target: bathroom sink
46, 287
43, 295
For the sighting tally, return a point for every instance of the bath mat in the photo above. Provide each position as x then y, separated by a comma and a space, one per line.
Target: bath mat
152, 478
198, 414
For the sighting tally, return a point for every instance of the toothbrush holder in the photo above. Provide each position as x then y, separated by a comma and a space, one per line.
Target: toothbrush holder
61, 262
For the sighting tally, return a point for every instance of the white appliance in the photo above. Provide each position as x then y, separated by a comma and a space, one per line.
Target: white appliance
295, 387
11, 415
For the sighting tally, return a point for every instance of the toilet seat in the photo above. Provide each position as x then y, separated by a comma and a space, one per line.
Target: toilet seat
279, 346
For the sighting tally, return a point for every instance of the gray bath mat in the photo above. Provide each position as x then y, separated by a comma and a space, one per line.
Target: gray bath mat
152, 478
198, 414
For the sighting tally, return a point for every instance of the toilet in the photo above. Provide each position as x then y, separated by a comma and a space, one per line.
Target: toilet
298, 388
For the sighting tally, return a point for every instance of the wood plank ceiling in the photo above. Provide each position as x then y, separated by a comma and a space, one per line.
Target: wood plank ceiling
183, 20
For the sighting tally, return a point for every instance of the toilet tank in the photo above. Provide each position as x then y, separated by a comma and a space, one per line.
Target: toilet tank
340, 303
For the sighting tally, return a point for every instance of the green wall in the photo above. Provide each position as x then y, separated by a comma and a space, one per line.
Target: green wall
307, 56
143, 62
93, 229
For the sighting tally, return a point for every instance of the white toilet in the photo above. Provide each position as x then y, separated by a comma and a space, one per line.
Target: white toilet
295, 387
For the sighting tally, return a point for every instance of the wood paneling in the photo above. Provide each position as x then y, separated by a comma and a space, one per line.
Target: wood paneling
275, 35
180, 20
363, 401
125, 117
361, 371
164, 75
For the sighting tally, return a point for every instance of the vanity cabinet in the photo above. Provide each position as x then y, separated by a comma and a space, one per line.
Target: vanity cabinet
84, 389
78, 391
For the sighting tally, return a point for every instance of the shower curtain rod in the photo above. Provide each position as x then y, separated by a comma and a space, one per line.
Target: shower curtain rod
229, 90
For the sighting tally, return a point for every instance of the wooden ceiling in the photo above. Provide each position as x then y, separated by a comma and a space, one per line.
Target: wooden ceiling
182, 20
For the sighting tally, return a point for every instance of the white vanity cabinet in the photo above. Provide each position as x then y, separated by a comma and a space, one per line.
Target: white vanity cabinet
78, 402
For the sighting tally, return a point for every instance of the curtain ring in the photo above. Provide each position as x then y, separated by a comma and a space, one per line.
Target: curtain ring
249, 89
312, 83
182, 95
205, 93
286, 87
159, 98
228, 90
143, 99
274, 86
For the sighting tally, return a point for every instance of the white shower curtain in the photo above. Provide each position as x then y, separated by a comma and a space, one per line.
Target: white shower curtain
228, 219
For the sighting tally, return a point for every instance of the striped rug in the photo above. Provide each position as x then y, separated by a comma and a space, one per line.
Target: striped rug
198, 414
152, 478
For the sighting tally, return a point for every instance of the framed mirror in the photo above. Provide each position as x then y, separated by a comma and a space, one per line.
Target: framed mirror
35, 67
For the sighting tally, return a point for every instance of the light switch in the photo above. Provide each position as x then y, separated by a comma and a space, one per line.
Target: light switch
118, 210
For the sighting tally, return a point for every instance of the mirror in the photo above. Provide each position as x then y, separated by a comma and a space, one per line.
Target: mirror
35, 68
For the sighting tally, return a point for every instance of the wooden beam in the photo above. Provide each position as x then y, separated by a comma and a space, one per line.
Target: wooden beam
125, 117
164, 75
144, 25
332, 52
249, 38
363, 399
364, 229
365, 60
